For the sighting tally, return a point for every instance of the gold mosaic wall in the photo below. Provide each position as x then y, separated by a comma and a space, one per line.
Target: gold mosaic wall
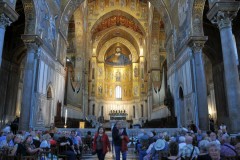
109, 77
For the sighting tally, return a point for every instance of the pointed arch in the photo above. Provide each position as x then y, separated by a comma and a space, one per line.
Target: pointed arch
72, 5
113, 32
50, 91
118, 12
162, 9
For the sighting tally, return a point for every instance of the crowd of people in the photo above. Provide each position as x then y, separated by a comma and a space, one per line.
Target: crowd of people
188, 144
184, 144
37, 143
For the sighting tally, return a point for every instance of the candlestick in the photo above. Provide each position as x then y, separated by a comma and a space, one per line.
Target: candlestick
65, 116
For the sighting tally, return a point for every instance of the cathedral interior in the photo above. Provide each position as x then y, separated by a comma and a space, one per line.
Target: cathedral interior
154, 63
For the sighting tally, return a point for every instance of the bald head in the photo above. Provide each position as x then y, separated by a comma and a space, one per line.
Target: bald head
189, 140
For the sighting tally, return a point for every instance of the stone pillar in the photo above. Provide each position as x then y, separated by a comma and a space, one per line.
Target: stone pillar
222, 14
4, 22
196, 44
28, 84
29, 81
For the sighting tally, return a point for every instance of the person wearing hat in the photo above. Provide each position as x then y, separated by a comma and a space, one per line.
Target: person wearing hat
159, 146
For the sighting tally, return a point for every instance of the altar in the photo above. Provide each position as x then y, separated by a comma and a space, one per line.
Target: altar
118, 115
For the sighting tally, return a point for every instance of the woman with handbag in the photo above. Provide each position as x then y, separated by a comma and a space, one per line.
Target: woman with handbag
101, 144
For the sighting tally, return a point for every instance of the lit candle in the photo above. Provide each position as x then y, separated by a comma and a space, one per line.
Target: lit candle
66, 116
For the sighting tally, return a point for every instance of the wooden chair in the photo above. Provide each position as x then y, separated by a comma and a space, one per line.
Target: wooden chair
8, 157
33, 157
87, 145
60, 150
231, 158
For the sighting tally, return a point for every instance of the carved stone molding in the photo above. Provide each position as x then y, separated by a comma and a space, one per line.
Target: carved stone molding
4, 21
8, 11
32, 41
197, 43
28, 38
222, 13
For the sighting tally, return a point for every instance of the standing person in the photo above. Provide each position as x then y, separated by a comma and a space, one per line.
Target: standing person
101, 144
120, 140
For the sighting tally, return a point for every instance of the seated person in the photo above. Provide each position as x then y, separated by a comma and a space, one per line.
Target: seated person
18, 149
45, 144
30, 147
66, 146
8, 142
89, 139
75, 141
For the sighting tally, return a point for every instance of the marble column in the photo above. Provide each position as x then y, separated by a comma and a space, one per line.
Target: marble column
28, 88
196, 44
222, 15
4, 22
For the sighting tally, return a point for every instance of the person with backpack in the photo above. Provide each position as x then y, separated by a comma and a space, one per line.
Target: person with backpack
189, 151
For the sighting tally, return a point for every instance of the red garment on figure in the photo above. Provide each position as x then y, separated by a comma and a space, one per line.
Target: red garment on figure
125, 141
105, 142
53, 142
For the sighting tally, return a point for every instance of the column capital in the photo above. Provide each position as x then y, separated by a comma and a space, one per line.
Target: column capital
4, 21
32, 41
197, 43
222, 13
9, 12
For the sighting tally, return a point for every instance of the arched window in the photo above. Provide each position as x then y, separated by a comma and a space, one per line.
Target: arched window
49, 93
134, 113
181, 96
118, 92
93, 109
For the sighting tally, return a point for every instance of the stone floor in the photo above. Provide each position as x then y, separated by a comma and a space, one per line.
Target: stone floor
131, 155
110, 156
